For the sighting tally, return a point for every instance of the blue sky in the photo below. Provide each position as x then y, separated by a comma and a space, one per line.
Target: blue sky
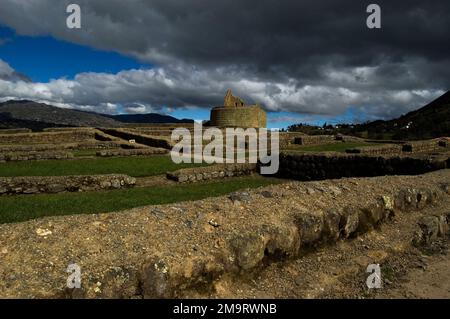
157, 56
44, 58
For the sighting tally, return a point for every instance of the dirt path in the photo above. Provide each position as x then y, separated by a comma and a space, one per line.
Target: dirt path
339, 271
430, 280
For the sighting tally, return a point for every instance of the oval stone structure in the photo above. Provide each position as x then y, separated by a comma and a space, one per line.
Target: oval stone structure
235, 113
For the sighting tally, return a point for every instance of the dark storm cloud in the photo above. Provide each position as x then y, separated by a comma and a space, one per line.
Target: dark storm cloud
9, 74
304, 56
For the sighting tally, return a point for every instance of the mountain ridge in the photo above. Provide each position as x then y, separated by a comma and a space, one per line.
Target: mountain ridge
37, 116
429, 121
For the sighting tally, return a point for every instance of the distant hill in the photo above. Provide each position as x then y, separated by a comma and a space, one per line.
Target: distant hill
148, 118
430, 121
37, 116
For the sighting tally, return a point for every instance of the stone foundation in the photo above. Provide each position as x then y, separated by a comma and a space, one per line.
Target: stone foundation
190, 175
388, 149
33, 156
328, 166
59, 184
140, 138
427, 146
48, 137
15, 131
132, 152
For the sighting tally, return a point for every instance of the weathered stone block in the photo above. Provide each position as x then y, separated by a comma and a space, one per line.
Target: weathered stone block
249, 250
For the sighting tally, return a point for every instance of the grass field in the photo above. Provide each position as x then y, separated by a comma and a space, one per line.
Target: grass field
133, 166
336, 147
24, 207
88, 152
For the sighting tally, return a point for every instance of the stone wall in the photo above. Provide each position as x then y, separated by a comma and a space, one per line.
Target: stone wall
15, 131
190, 175
48, 137
63, 129
140, 138
388, 149
116, 141
59, 184
105, 145
400, 148
289, 138
315, 139
132, 152
245, 116
34, 147
422, 146
152, 132
67, 146
157, 126
328, 166
32, 156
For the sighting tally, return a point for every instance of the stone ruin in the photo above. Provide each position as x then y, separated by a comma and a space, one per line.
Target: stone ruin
232, 101
235, 113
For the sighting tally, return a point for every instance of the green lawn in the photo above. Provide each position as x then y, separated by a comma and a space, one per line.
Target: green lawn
133, 166
24, 207
87, 152
336, 147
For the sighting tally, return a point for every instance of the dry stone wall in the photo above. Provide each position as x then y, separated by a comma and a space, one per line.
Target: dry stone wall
35, 147
132, 152
388, 149
140, 138
68, 146
32, 156
328, 166
401, 148
303, 139
15, 131
48, 138
190, 175
422, 146
63, 129
59, 184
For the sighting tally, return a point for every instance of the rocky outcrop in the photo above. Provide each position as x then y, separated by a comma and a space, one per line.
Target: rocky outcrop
59, 184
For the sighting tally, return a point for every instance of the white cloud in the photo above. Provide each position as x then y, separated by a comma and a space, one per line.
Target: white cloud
284, 58
151, 90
